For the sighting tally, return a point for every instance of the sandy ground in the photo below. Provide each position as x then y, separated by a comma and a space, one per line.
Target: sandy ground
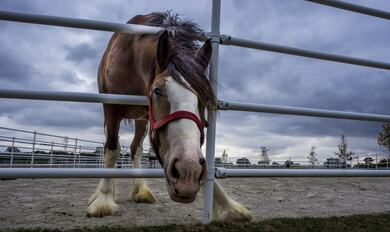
61, 203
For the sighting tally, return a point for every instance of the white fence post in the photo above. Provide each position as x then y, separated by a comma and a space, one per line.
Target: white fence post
210, 143
123, 155
102, 154
376, 161
80, 159
130, 157
51, 154
11, 161
33, 149
74, 151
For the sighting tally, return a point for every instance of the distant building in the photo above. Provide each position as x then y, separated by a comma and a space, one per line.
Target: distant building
218, 161
335, 163
243, 161
263, 162
288, 163
98, 151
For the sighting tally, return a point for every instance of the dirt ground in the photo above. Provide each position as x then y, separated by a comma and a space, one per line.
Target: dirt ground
61, 203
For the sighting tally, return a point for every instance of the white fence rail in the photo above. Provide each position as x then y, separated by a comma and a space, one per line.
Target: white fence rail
354, 7
73, 97
216, 39
77, 23
223, 172
229, 40
223, 105
8, 173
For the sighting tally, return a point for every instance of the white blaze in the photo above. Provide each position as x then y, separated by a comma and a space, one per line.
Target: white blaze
182, 131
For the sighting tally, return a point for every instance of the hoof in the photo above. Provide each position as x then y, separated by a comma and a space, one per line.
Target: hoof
101, 204
232, 212
142, 194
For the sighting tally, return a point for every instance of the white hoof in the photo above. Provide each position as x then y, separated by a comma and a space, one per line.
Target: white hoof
232, 211
101, 204
142, 194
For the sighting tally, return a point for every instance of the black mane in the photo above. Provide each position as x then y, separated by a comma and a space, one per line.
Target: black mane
185, 36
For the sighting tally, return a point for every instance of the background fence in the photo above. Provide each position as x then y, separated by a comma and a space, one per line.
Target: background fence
216, 39
22, 148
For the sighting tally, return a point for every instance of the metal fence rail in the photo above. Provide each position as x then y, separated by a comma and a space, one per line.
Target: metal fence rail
229, 40
80, 173
354, 7
266, 173
159, 173
74, 97
223, 105
77, 23
224, 39
300, 111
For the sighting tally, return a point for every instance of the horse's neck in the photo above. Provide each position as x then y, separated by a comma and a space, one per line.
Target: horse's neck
126, 65
144, 60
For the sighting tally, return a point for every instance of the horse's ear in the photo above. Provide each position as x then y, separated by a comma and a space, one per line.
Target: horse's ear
204, 54
164, 50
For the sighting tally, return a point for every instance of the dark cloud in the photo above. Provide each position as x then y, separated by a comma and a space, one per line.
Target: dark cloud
13, 70
81, 52
70, 77
52, 114
18, 5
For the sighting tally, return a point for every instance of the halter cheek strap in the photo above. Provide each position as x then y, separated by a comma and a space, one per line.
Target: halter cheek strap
156, 125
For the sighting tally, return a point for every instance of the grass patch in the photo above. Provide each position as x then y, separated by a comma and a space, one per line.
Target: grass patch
356, 223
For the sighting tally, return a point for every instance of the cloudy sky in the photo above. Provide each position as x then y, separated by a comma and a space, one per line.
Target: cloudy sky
53, 58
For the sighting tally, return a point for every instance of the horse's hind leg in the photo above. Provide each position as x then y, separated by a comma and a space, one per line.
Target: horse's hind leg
141, 192
102, 202
226, 209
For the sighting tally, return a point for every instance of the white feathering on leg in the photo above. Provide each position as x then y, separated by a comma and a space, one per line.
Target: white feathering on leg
141, 192
102, 202
226, 209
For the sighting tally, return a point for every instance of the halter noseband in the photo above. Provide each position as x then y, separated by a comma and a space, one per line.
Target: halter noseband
156, 125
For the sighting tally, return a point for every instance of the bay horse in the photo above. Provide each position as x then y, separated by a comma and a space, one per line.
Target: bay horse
169, 68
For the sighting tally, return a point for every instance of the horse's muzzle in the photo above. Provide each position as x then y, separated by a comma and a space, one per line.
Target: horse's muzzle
185, 177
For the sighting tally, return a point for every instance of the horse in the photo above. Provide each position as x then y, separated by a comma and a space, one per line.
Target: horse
169, 68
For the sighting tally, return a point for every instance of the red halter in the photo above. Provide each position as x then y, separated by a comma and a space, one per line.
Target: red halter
156, 125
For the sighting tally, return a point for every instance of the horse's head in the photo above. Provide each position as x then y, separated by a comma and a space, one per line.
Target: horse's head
179, 94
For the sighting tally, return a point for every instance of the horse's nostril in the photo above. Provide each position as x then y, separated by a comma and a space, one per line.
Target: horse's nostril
176, 191
203, 174
202, 161
175, 172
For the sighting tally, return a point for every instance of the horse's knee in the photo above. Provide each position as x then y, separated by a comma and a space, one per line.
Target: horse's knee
111, 156
112, 142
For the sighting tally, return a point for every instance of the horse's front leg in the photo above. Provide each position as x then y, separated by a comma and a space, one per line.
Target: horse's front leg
102, 202
141, 192
226, 209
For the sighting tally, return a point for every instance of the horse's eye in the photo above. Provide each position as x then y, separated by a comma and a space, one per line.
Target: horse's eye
157, 92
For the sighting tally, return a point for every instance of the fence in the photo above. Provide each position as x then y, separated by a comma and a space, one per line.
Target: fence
216, 39
22, 148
